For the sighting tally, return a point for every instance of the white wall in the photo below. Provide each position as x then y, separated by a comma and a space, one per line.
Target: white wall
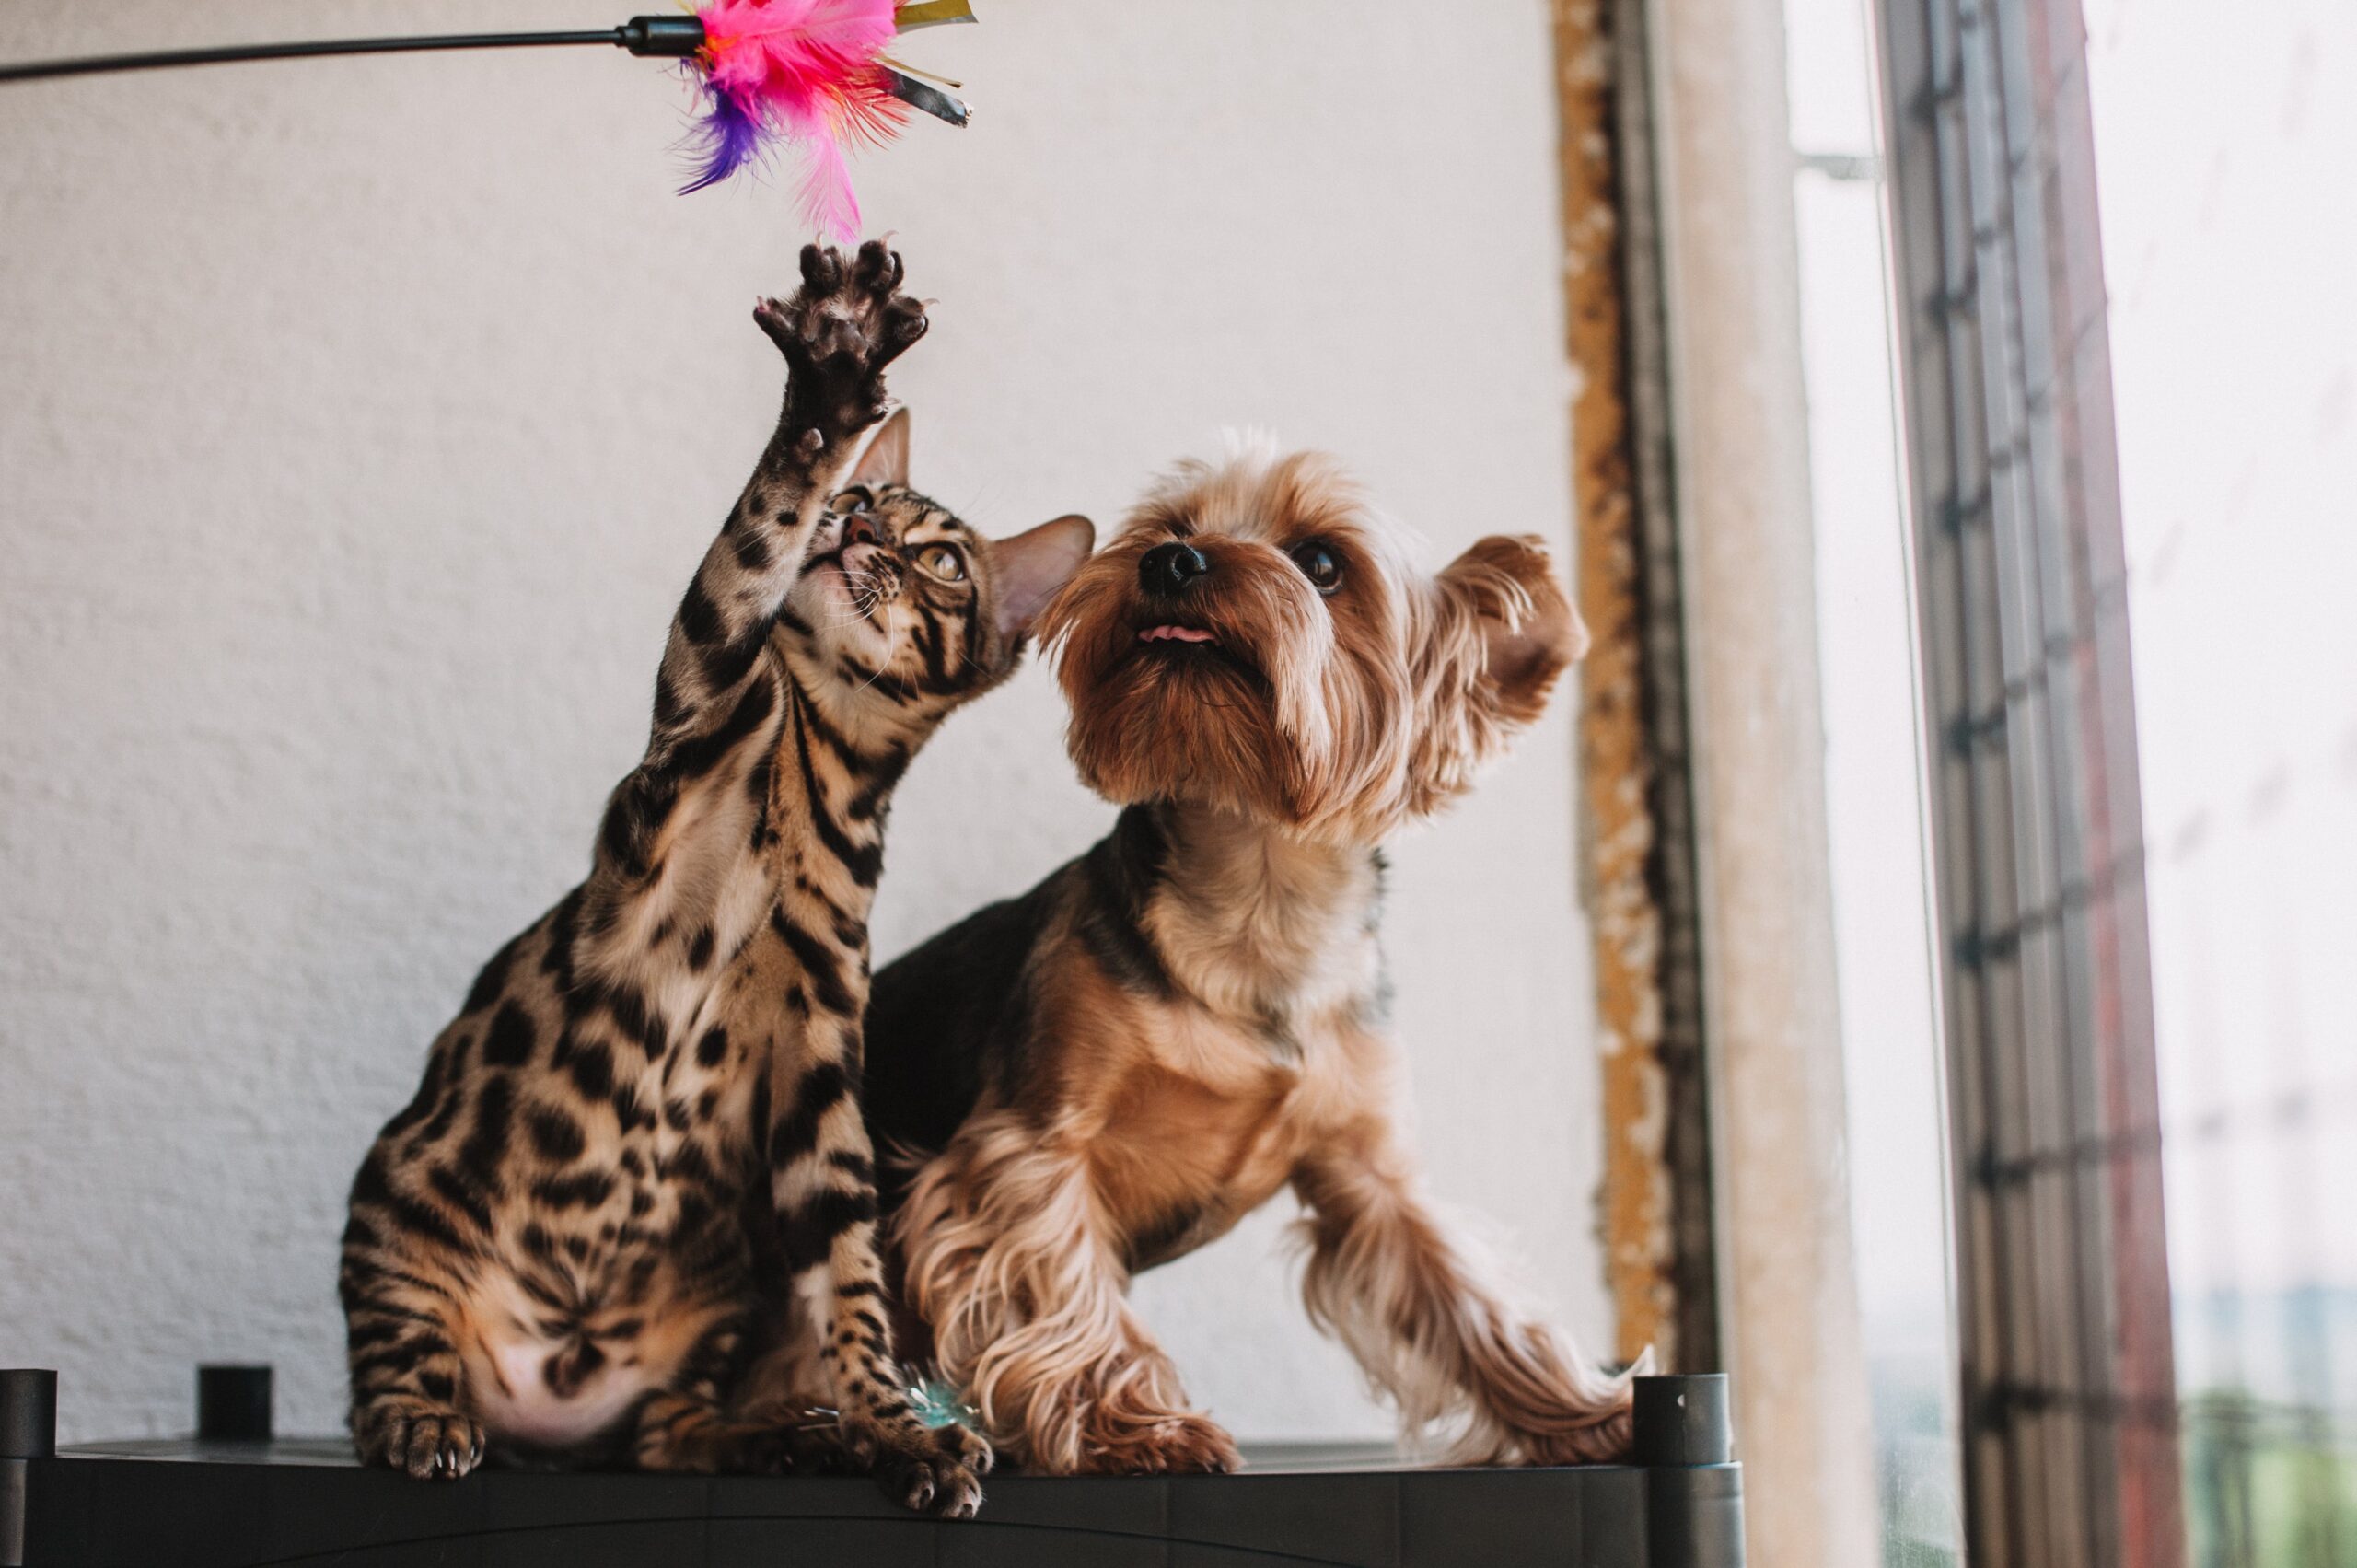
359, 422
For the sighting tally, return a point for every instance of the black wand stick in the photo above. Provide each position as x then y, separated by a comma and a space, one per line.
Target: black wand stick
666, 36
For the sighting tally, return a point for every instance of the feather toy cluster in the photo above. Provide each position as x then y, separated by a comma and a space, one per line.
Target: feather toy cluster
797, 71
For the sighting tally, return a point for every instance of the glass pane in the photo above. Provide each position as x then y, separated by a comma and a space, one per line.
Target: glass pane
2224, 150
1898, 1154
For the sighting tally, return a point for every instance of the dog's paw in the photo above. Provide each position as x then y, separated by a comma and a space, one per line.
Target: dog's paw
428, 1441
1166, 1445
935, 1469
1582, 1441
838, 332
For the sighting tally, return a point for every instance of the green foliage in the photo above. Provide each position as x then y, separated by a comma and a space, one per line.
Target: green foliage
2266, 1486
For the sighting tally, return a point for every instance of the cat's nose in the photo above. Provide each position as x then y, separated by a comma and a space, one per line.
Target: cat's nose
860, 528
1170, 569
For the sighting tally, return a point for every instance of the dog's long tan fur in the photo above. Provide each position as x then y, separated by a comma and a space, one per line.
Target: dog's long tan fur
1113, 1069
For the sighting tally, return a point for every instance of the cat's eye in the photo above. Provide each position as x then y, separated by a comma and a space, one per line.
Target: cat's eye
1320, 565
943, 561
852, 501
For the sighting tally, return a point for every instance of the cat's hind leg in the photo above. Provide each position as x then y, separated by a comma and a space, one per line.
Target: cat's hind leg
685, 1433
698, 1424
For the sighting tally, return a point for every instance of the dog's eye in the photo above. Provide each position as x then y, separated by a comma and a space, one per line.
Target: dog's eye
1320, 565
943, 561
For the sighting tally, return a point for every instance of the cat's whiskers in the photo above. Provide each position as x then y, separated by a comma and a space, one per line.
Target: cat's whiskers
848, 618
867, 585
866, 597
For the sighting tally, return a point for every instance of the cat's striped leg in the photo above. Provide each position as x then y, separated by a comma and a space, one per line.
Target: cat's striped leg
691, 1428
402, 1324
699, 1424
685, 1427
684, 1434
824, 1181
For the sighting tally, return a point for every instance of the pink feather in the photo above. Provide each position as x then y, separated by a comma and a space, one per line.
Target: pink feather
800, 71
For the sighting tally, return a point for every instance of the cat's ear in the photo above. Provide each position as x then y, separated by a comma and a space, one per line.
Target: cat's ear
885, 461
1027, 570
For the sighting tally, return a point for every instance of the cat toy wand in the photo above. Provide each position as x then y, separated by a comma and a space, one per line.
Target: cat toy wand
809, 72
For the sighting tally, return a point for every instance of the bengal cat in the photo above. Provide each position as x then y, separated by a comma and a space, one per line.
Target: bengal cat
630, 1216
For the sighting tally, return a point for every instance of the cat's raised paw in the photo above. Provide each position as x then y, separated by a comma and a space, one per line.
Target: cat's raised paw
840, 329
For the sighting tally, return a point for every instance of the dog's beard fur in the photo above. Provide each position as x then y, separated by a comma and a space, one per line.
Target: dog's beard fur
1336, 717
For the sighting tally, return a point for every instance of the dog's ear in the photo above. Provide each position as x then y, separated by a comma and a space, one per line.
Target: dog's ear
1502, 633
885, 461
1028, 570
1529, 630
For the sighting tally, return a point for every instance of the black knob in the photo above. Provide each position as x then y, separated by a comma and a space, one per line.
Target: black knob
233, 1404
1682, 1421
1170, 568
27, 1432
27, 1414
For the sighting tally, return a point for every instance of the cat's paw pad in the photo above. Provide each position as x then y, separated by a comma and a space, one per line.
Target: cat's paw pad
930, 1469
838, 332
427, 1442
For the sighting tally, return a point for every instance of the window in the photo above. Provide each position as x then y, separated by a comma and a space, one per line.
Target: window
2222, 156
2141, 846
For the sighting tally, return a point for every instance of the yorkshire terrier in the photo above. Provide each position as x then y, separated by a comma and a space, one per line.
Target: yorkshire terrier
1114, 1068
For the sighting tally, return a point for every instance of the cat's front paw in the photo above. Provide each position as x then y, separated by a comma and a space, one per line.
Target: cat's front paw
935, 1469
847, 321
428, 1441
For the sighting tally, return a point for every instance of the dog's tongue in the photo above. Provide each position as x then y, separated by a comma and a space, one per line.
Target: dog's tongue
1174, 634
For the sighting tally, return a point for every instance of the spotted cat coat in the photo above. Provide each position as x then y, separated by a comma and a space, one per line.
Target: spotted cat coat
629, 1216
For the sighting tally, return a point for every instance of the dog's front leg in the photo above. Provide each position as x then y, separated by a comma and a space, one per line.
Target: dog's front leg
1009, 1261
1421, 1313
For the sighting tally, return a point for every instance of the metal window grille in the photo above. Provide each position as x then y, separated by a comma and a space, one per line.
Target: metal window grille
2070, 1439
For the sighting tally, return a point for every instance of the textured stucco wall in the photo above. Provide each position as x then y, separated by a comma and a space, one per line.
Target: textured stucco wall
359, 422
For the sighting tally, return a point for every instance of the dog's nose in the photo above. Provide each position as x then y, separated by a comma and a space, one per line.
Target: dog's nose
1169, 568
859, 527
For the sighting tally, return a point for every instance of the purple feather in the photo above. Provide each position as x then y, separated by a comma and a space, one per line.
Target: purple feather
728, 137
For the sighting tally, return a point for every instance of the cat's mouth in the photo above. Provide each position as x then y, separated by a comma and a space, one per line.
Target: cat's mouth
866, 574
